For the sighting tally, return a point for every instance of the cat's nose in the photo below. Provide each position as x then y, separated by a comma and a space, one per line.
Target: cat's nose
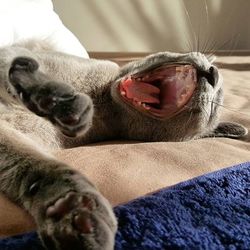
209, 74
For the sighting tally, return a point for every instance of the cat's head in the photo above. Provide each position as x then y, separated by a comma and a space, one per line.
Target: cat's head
171, 96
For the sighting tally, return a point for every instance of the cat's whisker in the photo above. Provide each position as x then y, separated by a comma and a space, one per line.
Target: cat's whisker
207, 115
208, 31
213, 50
207, 26
230, 109
189, 119
188, 44
190, 25
234, 45
205, 46
198, 40
212, 47
207, 15
210, 56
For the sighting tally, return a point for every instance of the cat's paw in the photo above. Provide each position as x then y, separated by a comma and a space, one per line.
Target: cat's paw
79, 221
70, 111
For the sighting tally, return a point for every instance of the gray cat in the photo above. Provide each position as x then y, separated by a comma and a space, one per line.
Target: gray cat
51, 100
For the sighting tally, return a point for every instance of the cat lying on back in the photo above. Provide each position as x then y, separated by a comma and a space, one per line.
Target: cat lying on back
52, 100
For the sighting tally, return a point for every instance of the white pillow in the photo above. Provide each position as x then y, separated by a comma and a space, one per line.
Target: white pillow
36, 19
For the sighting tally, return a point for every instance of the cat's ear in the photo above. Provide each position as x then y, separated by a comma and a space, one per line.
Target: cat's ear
229, 130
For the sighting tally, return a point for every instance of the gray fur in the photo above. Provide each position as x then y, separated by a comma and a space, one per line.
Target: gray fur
78, 98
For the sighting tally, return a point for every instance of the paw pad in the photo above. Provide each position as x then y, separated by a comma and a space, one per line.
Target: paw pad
24, 63
69, 202
83, 223
62, 206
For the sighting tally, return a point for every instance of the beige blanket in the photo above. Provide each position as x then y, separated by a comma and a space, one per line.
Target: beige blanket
126, 170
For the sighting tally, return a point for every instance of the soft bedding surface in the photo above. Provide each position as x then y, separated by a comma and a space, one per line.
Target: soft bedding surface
208, 212
127, 170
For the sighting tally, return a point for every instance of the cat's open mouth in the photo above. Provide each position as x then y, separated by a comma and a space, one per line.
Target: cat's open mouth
161, 92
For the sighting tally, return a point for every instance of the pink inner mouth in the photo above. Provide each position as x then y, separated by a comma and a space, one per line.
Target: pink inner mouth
161, 92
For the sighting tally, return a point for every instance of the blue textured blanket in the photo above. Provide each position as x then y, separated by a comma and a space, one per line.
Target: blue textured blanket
208, 212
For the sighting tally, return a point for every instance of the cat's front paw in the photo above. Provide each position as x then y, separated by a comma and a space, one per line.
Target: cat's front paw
70, 111
78, 221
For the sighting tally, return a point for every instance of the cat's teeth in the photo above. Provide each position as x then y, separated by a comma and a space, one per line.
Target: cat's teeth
139, 103
139, 79
144, 105
145, 77
21, 95
181, 98
123, 93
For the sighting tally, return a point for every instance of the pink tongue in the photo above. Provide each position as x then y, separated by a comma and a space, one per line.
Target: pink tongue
141, 91
177, 85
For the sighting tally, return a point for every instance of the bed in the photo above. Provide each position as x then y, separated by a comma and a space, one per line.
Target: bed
126, 170
133, 174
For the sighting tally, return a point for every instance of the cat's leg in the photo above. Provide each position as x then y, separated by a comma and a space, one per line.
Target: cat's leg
59, 102
69, 211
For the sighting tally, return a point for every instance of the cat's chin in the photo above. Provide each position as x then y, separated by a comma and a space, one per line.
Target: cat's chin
161, 92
